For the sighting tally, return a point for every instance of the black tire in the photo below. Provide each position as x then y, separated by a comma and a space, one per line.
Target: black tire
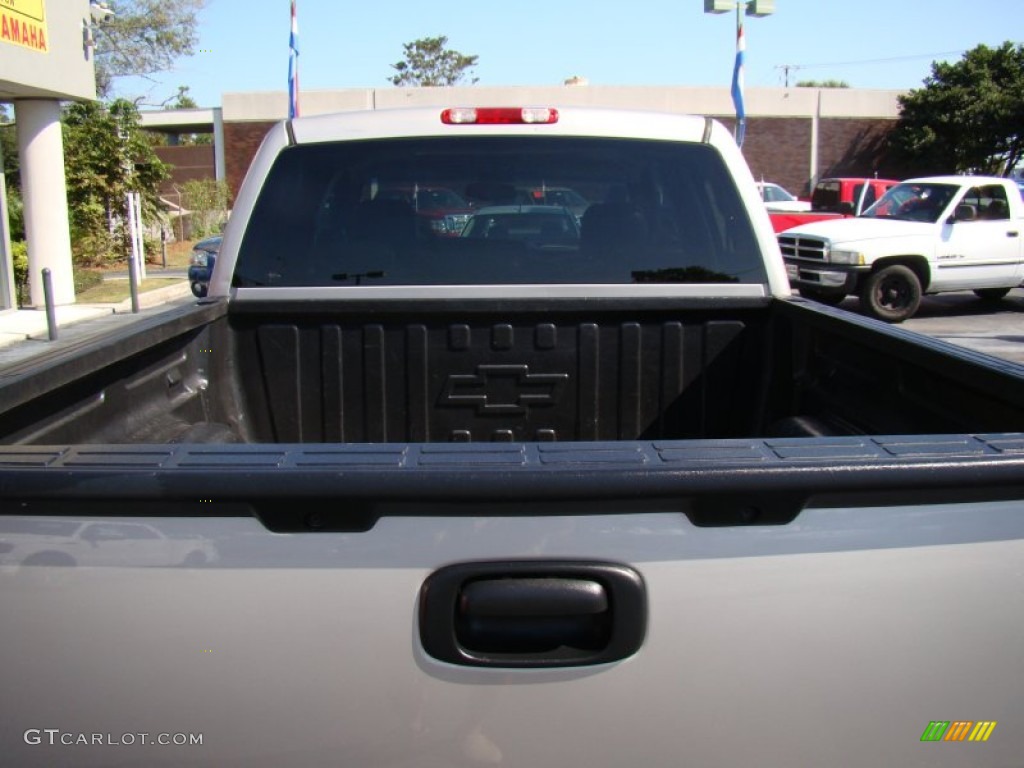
892, 294
991, 294
823, 297
199, 290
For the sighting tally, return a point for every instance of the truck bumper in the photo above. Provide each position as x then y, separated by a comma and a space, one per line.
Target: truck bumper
199, 274
827, 278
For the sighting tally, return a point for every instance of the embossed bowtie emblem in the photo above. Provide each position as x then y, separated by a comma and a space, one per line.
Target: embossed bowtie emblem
503, 389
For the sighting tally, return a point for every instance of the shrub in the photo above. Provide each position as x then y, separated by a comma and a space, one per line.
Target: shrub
95, 249
19, 252
207, 199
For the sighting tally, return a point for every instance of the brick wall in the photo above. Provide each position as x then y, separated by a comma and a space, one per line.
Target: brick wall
241, 140
777, 149
854, 148
187, 163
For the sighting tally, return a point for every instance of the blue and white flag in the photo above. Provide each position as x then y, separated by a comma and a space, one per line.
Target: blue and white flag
293, 68
737, 86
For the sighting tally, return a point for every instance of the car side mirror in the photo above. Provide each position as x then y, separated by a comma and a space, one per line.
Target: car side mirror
965, 212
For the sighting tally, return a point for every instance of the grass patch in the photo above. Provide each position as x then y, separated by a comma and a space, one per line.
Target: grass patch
86, 279
113, 291
179, 255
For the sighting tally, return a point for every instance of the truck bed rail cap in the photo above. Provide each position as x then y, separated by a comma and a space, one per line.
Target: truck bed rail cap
446, 292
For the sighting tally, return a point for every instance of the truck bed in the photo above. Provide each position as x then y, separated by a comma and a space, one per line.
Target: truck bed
523, 372
739, 411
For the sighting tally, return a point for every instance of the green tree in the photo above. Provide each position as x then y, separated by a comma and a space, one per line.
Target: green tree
12, 174
822, 84
428, 62
968, 118
144, 37
207, 200
184, 100
106, 155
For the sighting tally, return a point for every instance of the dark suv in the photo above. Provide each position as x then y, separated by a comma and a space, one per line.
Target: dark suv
204, 256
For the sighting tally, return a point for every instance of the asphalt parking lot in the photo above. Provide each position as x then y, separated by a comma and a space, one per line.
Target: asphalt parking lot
961, 318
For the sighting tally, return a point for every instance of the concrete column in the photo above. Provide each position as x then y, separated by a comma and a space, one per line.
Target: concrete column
43, 187
815, 140
219, 168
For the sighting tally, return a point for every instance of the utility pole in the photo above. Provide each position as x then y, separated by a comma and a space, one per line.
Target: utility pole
786, 69
756, 8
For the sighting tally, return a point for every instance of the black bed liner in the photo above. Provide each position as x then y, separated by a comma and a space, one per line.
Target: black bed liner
323, 415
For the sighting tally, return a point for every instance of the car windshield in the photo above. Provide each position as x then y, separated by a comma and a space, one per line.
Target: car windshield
772, 193
826, 196
613, 211
913, 201
548, 226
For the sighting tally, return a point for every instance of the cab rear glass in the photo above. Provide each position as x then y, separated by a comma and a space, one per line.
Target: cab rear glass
498, 210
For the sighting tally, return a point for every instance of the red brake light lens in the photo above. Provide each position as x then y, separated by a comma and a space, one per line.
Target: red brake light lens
499, 116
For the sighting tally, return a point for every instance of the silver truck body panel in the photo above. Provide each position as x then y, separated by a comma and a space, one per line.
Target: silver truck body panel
823, 642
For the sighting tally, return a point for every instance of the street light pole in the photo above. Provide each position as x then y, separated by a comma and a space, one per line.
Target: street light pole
756, 8
737, 79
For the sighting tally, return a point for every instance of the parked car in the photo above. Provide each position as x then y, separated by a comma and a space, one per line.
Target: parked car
924, 236
834, 198
558, 196
537, 225
441, 211
204, 256
777, 198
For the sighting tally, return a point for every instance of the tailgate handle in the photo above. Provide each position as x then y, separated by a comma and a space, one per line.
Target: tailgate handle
533, 613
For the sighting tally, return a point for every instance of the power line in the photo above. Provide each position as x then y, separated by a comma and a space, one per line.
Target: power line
787, 68
876, 61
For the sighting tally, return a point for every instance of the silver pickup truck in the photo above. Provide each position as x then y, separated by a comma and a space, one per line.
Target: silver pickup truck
545, 487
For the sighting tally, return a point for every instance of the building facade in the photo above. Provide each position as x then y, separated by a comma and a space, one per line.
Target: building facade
794, 135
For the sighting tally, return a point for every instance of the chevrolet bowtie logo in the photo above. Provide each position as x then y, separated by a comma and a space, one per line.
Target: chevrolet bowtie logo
503, 389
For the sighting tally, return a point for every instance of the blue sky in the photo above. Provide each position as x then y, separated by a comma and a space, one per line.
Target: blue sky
868, 43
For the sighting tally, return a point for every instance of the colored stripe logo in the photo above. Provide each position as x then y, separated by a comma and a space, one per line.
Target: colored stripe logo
958, 730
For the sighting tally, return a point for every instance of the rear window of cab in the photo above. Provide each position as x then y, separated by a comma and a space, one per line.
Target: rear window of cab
403, 211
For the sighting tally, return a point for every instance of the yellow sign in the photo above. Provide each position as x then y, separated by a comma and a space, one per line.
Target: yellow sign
23, 22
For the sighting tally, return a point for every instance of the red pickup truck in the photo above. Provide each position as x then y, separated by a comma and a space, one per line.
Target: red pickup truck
834, 198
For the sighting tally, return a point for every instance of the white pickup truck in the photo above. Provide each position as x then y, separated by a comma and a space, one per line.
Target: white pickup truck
926, 235
51, 541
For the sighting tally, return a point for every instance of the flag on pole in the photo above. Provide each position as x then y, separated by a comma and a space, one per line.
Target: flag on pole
293, 68
737, 83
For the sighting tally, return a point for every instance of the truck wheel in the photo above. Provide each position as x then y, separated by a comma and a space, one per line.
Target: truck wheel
991, 294
198, 289
822, 297
892, 294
